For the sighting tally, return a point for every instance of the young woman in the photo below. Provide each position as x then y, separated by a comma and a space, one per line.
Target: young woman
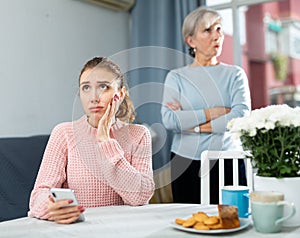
102, 157
199, 99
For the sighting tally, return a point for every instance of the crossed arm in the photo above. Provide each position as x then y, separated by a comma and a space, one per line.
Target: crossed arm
210, 114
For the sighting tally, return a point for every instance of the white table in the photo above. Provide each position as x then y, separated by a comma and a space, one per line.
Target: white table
151, 220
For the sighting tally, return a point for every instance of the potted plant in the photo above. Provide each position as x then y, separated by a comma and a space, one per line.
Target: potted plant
272, 135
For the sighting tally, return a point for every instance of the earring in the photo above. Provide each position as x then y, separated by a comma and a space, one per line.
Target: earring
192, 51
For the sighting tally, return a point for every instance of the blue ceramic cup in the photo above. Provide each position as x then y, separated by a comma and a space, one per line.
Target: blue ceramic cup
237, 196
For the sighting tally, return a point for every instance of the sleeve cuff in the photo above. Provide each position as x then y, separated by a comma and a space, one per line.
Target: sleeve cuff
111, 148
201, 116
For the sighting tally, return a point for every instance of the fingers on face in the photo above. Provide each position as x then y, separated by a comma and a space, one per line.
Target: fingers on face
111, 109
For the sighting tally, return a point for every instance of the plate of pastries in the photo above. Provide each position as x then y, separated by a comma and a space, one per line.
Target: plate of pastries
227, 220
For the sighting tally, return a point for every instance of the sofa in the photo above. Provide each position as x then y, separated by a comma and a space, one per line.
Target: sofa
20, 159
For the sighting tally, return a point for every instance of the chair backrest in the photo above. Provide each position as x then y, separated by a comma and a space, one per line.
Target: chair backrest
20, 159
208, 155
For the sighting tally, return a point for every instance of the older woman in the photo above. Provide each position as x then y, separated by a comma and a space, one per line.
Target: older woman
199, 99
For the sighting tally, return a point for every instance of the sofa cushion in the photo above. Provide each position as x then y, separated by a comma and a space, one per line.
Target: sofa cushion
20, 159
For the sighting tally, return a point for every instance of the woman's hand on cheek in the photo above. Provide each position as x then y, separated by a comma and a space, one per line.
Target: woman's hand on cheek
61, 213
107, 120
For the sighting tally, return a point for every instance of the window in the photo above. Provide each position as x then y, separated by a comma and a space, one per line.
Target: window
272, 28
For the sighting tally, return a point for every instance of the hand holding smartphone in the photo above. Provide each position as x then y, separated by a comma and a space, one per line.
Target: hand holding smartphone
66, 194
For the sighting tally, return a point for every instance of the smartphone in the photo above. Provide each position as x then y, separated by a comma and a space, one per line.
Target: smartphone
62, 194
65, 193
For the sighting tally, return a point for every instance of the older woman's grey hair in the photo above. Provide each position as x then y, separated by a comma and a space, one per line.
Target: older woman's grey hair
200, 17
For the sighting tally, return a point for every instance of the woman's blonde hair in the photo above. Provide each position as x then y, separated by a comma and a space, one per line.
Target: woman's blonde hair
126, 110
202, 16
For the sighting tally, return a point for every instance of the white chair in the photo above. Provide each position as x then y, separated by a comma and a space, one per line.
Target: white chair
208, 155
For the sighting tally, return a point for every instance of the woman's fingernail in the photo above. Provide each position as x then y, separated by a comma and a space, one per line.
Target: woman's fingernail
70, 201
81, 208
116, 97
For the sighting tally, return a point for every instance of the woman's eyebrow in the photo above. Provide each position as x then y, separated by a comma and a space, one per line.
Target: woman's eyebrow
87, 82
84, 82
107, 82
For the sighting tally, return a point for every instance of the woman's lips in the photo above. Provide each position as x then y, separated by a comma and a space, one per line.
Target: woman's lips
95, 109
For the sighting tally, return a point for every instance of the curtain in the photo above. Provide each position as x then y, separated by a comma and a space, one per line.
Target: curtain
156, 48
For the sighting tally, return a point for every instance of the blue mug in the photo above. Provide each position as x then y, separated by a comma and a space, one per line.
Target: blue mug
237, 196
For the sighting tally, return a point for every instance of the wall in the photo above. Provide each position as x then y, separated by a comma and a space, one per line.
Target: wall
43, 45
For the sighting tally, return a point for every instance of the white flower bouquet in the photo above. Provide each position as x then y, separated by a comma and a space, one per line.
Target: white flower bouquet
272, 135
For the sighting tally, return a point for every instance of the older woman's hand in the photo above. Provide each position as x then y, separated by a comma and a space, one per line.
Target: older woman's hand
61, 213
215, 112
174, 106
